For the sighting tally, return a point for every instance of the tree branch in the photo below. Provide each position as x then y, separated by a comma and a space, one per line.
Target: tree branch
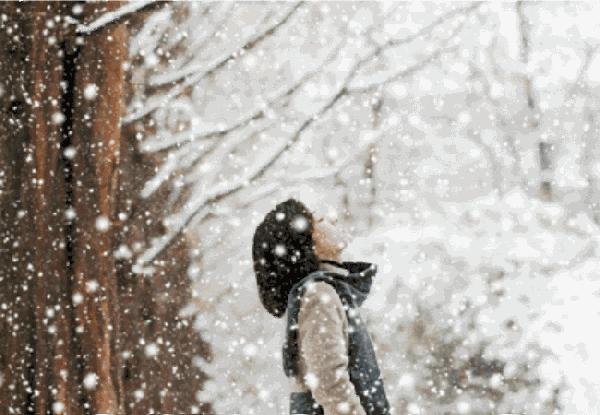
187, 137
393, 43
118, 16
425, 29
211, 68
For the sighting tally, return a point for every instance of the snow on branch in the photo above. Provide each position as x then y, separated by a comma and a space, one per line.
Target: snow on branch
193, 65
181, 159
116, 16
404, 72
152, 30
160, 143
207, 70
392, 43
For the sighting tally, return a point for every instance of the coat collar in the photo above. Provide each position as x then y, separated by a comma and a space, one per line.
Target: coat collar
333, 267
358, 275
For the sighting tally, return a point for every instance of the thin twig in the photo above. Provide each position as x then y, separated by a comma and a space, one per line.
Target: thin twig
160, 145
213, 67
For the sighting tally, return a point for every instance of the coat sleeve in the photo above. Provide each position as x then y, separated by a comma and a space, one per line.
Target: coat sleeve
322, 326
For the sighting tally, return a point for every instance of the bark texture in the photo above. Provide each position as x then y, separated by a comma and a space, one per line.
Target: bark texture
75, 321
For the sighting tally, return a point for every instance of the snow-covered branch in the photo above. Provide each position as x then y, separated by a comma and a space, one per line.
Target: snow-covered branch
115, 17
425, 30
205, 70
158, 143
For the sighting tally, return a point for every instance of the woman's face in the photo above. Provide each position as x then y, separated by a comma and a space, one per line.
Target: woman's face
329, 240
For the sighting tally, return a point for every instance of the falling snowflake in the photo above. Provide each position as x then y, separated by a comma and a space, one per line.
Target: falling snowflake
280, 250
138, 395
102, 223
123, 252
69, 152
77, 298
300, 224
90, 381
151, 350
343, 407
77, 9
311, 380
70, 214
58, 407
90, 92
58, 118
91, 286
325, 298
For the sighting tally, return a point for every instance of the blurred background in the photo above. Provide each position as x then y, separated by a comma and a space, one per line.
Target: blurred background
457, 142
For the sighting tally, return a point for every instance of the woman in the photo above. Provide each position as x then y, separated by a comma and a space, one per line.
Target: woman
327, 353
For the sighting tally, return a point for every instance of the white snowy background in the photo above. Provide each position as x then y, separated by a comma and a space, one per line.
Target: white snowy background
429, 130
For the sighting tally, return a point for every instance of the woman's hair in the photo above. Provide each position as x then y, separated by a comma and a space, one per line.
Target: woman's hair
283, 253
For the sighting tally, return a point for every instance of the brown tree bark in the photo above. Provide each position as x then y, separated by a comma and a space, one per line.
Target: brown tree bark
73, 319
95, 139
151, 304
35, 357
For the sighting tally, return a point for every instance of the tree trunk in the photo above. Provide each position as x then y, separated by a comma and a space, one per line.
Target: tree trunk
151, 304
74, 321
36, 338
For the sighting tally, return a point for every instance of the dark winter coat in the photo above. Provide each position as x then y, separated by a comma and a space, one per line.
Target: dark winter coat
328, 352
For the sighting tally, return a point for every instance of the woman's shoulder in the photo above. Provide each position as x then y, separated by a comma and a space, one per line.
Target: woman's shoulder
321, 298
318, 290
